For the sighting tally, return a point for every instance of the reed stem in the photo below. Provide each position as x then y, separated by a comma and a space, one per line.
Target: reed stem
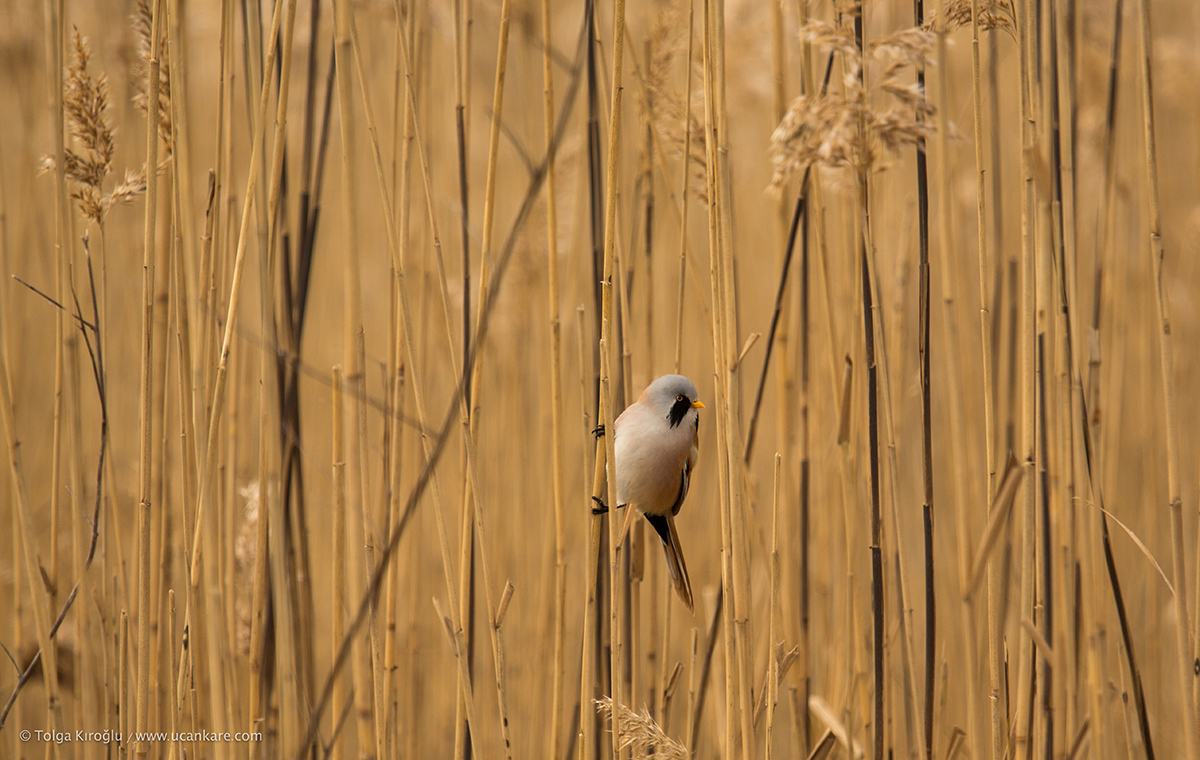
145, 410
1187, 675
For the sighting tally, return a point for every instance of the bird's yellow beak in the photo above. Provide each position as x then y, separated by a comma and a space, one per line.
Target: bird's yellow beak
697, 405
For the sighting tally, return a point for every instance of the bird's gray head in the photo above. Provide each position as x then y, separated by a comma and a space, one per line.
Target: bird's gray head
673, 396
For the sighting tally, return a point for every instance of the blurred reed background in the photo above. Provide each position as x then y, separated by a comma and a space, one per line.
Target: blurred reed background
329, 374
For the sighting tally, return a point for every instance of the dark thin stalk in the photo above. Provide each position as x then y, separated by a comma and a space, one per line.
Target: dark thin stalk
1114, 581
1139, 695
1086, 418
306, 151
464, 216
295, 288
876, 515
805, 470
596, 218
451, 417
926, 415
595, 182
797, 214
1005, 277
706, 670
1107, 200
648, 227
96, 356
877, 595
1014, 335
1047, 680
311, 179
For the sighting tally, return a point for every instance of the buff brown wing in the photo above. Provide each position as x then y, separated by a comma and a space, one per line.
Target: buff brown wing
686, 480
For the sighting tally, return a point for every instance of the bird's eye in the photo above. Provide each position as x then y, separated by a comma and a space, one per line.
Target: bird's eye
679, 398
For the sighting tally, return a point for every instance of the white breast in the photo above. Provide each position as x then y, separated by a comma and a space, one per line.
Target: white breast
651, 456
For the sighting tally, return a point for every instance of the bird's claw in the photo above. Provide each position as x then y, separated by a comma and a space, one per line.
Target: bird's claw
598, 431
603, 508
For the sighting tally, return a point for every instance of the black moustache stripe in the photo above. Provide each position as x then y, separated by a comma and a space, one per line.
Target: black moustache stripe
678, 411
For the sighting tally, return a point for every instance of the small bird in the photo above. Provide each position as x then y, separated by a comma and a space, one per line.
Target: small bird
656, 446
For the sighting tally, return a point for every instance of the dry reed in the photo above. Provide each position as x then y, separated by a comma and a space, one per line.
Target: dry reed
186, 501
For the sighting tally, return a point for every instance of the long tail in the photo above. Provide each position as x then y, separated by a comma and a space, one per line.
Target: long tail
665, 526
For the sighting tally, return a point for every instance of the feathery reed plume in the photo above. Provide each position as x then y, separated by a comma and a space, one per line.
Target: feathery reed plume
86, 102
245, 549
993, 15
821, 129
667, 106
642, 734
133, 186
142, 29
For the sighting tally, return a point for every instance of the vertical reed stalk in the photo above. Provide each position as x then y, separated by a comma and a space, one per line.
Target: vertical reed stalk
773, 636
910, 695
401, 187
216, 407
556, 395
356, 464
866, 276
462, 746
720, 360
784, 423
1028, 382
410, 342
685, 170
803, 727
262, 621
662, 699
171, 692
588, 739
1188, 677
994, 581
17, 617
86, 685
923, 349
729, 321
55, 41
338, 612
181, 147
211, 249
601, 267
187, 398
470, 418
38, 593
954, 382
161, 541
271, 484
691, 701
589, 718
660, 161
984, 265
877, 598
608, 414
125, 721
471, 507
145, 410
289, 712
461, 71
